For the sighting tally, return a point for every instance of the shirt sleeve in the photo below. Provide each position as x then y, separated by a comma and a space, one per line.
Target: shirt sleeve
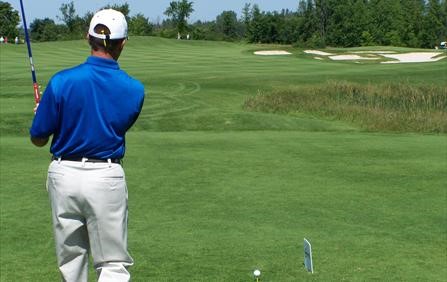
46, 119
139, 105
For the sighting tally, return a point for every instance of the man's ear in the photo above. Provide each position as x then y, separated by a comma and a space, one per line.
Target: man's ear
123, 43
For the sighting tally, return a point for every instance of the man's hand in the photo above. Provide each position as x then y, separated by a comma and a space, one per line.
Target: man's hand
35, 108
39, 142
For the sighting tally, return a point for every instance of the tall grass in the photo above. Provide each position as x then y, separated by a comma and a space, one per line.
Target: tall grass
377, 107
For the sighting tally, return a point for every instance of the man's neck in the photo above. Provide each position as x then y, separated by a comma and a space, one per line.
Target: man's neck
101, 54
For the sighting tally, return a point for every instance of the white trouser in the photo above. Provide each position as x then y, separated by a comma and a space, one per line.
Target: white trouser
89, 208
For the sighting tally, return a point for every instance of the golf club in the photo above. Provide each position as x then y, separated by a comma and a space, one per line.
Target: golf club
30, 55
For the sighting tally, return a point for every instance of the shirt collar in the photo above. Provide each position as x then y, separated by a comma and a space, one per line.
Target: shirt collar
102, 62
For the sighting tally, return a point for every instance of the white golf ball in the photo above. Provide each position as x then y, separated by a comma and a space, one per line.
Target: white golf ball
257, 272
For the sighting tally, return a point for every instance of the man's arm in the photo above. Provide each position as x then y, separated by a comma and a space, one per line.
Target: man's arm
46, 115
39, 142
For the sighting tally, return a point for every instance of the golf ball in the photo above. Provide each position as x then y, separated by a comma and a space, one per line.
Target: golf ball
257, 272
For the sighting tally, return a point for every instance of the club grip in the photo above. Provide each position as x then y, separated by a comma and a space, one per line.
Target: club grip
36, 93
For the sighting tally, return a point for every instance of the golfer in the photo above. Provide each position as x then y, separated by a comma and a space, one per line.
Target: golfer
88, 109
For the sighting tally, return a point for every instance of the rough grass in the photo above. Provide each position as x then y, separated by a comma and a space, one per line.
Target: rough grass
399, 107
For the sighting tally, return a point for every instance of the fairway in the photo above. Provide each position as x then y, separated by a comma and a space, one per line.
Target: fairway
216, 192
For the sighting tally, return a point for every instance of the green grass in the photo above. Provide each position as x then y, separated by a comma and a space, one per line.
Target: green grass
216, 191
390, 107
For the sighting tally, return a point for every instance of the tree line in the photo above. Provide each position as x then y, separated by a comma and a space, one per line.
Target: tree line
72, 26
314, 23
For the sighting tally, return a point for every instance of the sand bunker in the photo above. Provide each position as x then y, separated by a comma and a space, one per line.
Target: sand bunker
351, 57
416, 57
272, 53
373, 52
316, 52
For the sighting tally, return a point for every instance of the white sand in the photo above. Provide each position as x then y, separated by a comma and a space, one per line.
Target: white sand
272, 53
316, 52
373, 52
415, 57
350, 57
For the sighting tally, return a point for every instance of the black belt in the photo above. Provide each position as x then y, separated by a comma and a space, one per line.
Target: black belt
88, 160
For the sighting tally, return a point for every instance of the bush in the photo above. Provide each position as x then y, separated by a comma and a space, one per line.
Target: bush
314, 42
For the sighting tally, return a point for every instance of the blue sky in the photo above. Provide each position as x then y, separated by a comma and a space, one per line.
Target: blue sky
203, 9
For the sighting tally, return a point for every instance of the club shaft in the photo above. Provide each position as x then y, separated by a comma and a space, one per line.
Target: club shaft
30, 55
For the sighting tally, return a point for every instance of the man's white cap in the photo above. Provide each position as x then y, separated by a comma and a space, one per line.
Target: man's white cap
113, 20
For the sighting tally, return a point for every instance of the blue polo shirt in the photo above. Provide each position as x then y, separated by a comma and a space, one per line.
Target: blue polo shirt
88, 110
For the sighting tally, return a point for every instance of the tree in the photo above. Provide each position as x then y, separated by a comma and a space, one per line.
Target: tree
227, 24
444, 10
139, 25
46, 30
255, 28
338, 25
309, 29
288, 31
124, 9
444, 19
179, 12
9, 20
205, 31
323, 11
86, 19
413, 20
362, 21
348, 23
435, 30
387, 18
272, 24
75, 24
246, 18
68, 15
